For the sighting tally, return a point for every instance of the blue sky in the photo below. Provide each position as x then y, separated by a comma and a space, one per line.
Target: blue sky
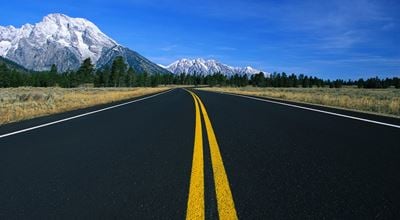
330, 39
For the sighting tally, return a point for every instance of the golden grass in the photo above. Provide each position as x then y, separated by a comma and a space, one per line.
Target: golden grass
378, 101
26, 102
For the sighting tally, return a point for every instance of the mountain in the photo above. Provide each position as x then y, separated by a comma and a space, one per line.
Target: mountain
206, 67
66, 42
139, 63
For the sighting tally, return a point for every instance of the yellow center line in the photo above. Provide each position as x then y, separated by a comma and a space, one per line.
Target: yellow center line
225, 203
195, 205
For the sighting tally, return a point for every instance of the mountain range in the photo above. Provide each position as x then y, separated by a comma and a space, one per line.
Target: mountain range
66, 42
207, 67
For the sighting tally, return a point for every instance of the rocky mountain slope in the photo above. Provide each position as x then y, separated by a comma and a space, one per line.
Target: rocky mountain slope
66, 42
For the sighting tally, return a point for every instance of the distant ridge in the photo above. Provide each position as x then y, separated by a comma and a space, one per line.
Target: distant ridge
207, 67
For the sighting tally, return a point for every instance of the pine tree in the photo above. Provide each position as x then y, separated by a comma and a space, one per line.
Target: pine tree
98, 79
130, 78
85, 72
147, 79
259, 80
4, 76
118, 70
52, 77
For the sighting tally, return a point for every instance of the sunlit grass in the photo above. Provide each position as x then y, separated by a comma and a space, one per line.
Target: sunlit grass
26, 102
379, 101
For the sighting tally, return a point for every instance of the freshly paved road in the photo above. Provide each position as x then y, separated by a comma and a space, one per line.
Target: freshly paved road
135, 162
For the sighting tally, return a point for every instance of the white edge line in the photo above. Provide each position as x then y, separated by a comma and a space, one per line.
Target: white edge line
315, 110
81, 115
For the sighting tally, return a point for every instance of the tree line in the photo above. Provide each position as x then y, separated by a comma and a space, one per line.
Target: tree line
292, 80
120, 75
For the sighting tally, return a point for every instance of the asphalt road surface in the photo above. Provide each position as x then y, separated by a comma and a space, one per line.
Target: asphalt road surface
200, 155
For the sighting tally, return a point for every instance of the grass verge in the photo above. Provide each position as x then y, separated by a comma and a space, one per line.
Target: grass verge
377, 101
26, 102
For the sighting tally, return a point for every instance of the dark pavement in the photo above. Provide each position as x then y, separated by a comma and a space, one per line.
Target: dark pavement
135, 162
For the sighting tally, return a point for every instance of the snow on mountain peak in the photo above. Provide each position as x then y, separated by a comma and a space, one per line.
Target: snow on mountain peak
206, 67
64, 21
34, 45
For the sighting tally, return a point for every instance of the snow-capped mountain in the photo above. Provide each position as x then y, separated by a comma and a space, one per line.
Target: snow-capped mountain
206, 67
64, 41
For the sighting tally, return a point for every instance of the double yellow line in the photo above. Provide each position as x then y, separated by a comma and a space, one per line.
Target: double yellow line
195, 205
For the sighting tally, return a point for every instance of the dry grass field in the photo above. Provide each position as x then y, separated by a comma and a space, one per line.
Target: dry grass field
378, 101
25, 102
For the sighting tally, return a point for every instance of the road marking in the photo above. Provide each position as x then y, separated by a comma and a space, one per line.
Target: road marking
81, 115
195, 205
315, 110
225, 203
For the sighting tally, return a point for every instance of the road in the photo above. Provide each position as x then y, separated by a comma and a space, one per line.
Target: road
205, 155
